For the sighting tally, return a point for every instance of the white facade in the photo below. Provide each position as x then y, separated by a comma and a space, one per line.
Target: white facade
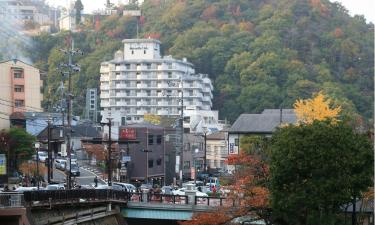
16, 10
139, 80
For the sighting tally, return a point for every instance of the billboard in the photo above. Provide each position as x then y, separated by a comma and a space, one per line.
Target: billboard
3, 164
127, 134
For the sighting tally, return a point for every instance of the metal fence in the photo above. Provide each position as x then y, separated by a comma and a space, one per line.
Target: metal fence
53, 197
11, 200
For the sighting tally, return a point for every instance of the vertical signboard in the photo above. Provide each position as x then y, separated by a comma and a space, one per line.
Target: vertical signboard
3, 164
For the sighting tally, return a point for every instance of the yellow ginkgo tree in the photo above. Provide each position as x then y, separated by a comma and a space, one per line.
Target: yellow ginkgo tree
316, 108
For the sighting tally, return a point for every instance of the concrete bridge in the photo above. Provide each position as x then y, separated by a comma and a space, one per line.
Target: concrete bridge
100, 206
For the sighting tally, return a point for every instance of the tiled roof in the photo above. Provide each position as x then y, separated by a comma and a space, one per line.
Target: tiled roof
264, 123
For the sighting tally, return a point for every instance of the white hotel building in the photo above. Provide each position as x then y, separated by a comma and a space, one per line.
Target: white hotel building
140, 81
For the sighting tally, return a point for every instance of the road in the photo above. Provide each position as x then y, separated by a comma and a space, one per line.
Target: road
86, 177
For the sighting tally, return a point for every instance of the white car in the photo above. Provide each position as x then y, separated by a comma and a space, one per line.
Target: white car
42, 156
22, 189
55, 187
60, 164
181, 191
125, 186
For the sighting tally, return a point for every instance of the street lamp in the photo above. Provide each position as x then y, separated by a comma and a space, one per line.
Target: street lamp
37, 145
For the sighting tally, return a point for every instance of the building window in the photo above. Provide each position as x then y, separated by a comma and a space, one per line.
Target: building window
236, 142
158, 139
148, 66
123, 121
127, 66
18, 74
19, 103
18, 88
158, 161
186, 164
150, 139
144, 51
169, 75
132, 52
150, 163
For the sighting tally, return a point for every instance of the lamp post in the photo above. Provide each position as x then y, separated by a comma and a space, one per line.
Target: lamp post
37, 145
205, 131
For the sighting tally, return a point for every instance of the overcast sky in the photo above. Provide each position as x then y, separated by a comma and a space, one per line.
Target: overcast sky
361, 7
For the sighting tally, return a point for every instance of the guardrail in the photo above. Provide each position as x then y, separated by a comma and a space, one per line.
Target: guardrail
11, 200
180, 199
55, 197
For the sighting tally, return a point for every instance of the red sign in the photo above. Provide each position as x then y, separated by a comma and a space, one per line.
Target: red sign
127, 134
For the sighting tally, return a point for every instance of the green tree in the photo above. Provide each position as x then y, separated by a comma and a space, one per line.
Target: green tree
78, 6
315, 169
17, 144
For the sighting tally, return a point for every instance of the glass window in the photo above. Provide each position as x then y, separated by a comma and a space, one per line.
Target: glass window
158, 162
19, 103
150, 139
186, 164
18, 88
236, 142
150, 163
158, 139
18, 75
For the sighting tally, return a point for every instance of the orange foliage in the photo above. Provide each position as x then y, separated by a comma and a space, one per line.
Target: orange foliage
320, 6
216, 218
209, 13
153, 35
31, 168
338, 32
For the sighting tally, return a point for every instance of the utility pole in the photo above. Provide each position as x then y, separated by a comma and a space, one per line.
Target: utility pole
49, 151
205, 151
109, 160
71, 68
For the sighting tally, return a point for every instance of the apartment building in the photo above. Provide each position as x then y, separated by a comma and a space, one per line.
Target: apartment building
20, 86
139, 80
17, 10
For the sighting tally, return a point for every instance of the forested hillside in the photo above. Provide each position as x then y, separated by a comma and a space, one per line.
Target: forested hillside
259, 53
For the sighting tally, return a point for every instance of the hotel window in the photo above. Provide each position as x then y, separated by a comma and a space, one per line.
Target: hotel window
19, 103
158, 161
18, 88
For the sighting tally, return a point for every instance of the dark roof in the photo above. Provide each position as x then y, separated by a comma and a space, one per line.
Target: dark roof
144, 125
217, 136
84, 130
264, 123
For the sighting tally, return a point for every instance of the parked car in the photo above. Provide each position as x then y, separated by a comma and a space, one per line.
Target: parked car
125, 186
181, 191
146, 186
42, 156
23, 189
55, 187
60, 164
167, 190
74, 171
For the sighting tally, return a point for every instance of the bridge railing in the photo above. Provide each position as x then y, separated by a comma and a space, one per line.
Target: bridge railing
11, 200
180, 199
54, 197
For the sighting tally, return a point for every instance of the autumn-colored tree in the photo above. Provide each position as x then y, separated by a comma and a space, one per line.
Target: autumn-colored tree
151, 118
213, 218
249, 190
318, 108
31, 169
